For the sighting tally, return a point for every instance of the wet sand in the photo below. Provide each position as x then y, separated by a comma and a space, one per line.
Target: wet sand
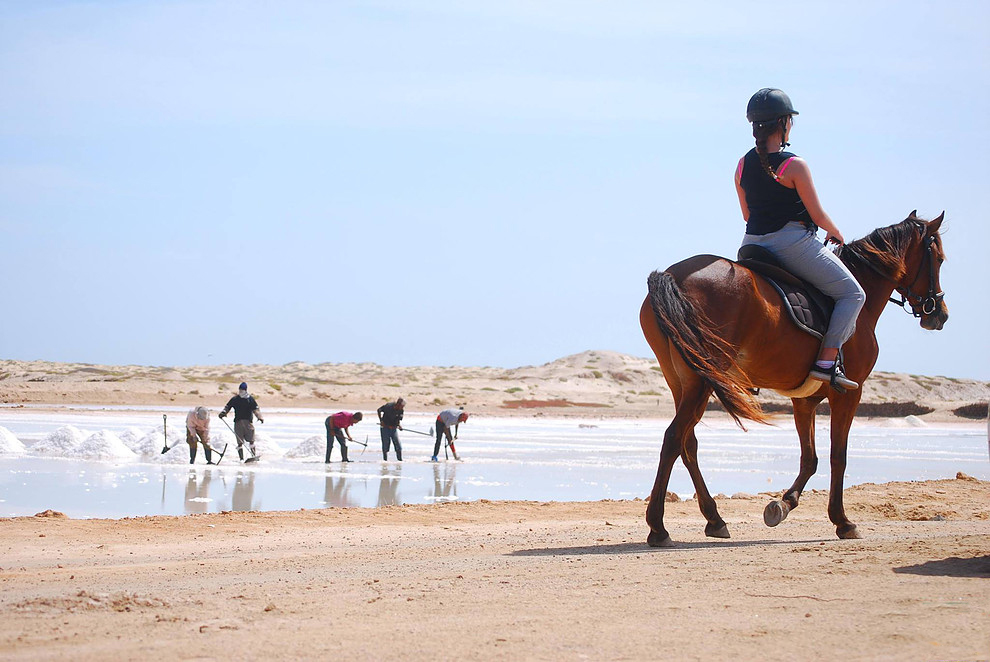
508, 580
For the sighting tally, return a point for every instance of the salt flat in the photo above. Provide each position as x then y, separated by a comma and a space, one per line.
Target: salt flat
535, 459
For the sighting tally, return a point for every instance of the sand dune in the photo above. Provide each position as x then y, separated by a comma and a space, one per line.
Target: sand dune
592, 383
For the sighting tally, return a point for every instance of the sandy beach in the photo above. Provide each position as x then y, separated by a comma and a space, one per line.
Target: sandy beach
509, 580
497, 580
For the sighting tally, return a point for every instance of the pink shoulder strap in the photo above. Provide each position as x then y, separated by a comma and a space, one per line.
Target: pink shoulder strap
739, 169
783, 166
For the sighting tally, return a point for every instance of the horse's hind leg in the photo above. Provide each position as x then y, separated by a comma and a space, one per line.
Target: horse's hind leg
804, 422
716, 527
691, 398
658, 536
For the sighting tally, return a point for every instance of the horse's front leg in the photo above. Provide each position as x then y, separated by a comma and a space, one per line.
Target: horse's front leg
804, 421
843, 410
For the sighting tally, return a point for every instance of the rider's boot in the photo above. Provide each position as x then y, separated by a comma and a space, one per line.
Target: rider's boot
834, 376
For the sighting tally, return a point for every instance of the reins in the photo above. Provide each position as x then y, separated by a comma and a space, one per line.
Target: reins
929, 302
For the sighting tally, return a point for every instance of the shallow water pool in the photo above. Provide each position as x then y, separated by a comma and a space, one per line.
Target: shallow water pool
540, 459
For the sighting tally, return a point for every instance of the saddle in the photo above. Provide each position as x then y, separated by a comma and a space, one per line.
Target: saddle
808, 308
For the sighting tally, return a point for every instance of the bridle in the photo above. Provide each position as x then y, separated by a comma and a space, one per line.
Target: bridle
928, 303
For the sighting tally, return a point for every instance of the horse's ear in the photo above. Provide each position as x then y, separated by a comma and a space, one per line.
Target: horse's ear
913, 214
935, 224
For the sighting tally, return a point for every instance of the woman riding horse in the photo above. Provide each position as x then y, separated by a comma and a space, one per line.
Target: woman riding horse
717, 327
782, 213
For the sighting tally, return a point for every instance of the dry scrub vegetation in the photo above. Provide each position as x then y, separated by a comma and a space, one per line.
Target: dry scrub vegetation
592, 383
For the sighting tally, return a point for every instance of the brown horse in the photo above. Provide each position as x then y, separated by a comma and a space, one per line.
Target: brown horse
717, 327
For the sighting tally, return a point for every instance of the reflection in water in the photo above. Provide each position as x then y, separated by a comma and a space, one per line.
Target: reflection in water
243, 497
198, 488
444, 484
337, 489
389, 485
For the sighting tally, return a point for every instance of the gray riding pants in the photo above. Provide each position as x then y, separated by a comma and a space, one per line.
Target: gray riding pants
798, 249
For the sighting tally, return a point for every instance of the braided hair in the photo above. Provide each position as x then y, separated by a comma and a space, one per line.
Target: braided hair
762, 132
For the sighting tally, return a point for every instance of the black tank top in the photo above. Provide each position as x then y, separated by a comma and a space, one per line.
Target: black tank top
771, 204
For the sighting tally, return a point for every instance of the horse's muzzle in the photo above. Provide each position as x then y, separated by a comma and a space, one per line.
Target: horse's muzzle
936, 320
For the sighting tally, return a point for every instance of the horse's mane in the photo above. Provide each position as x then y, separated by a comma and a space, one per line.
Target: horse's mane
883, 250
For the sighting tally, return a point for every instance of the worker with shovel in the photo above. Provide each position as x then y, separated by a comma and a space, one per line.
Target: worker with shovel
337, 426
245, 409
448, 418
390, 420
198, 431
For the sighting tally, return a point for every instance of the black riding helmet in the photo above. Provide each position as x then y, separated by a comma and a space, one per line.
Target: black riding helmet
768, 105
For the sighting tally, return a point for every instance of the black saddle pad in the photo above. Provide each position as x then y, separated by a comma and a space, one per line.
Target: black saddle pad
809, 308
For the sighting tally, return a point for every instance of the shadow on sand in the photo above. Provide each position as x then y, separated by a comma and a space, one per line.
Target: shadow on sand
642, 547
978, 566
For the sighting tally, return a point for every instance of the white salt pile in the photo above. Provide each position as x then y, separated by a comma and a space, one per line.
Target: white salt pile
218, 439
131, 436
263, 445
59, 443
152, 442
179, 453
315, 446
102, 445
9, 444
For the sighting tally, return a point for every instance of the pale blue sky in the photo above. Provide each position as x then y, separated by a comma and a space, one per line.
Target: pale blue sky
453, 183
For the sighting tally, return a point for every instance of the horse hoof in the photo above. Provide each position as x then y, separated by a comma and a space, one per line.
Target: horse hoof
775, 513
717, 531
848, 532
657, 540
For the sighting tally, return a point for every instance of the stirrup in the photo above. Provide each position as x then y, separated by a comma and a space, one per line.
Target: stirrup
835, 377
841, 383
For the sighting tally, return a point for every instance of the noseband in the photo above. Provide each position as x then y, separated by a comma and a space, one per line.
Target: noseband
928, 304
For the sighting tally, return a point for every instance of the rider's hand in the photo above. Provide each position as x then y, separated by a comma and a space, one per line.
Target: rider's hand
835, 238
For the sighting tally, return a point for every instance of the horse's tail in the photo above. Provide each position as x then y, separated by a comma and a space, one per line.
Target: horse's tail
696, 340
